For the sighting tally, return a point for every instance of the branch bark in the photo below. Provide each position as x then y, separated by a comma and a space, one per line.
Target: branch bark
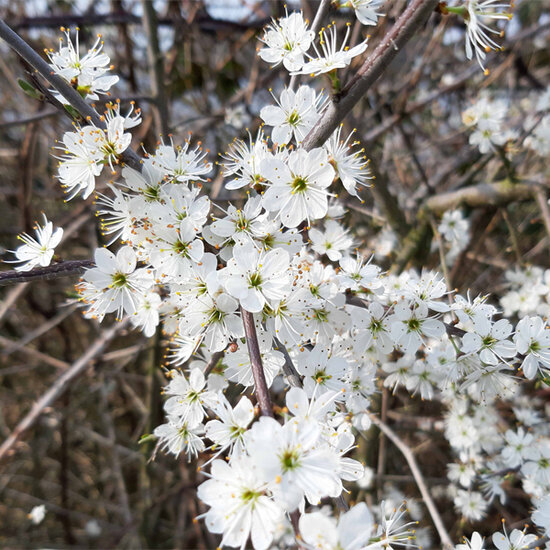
260, 385
55, 271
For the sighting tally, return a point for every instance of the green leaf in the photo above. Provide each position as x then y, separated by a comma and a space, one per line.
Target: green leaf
73, 112
147, 437
30, 90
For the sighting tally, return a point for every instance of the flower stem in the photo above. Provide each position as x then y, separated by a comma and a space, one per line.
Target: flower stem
261, 390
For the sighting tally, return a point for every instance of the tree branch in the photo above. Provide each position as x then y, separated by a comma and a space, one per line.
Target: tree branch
416, 14
55, 271
260, 385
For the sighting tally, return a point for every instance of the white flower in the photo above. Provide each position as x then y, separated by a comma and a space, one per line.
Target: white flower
298, 189
239, 505
330, 57
532, 340
228, 432
256, 277
177, 436
37, 514
294, 461
182, 164
492, 344
516, 540
517, 444
242, 225
352, 167
471, 505
354, 529
409, 327
294, 115
118, 285
539, 140
39, 251
475, 543
244, 161
366, 10
189, 397
332, 242
476, 312
360, 275
477, 18
146, 316
321, 372
82, 162
213, 319
287, 40
454, 227
239, 367
541, 516
87, 74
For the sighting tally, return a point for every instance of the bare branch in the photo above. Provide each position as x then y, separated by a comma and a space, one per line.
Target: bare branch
416, 14
55, 271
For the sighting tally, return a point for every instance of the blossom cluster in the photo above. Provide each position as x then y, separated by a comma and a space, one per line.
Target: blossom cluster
328, 322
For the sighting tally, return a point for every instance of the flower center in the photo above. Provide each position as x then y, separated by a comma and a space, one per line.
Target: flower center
119, 280
255, 280
290, 460
181, 248
299, 184
293, 118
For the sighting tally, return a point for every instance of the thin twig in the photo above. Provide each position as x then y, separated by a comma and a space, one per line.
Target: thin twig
59, 387
542, 202
156, 66
42, 329
419, 479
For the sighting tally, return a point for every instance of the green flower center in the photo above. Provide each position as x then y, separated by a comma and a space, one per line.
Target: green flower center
119, 280
299, 184
293, 118
180, 248
290, 460
255, 280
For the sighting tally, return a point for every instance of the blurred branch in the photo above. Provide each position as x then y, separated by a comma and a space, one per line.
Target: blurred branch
446, 542
156, 67
59, 387
482, 195
203, 21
